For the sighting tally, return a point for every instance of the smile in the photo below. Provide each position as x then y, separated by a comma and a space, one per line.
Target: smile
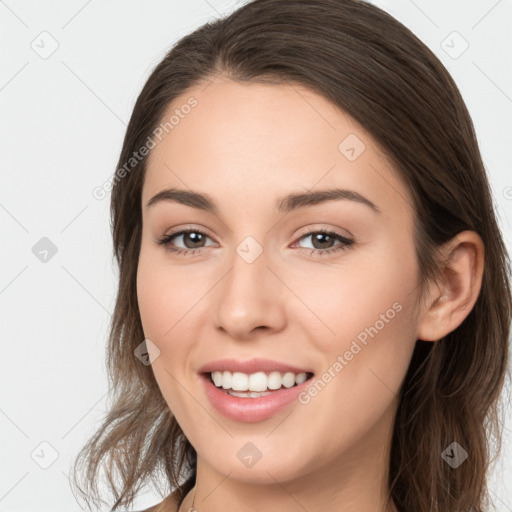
248, 405
257, 384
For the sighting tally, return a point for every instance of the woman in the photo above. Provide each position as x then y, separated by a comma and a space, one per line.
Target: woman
314, 300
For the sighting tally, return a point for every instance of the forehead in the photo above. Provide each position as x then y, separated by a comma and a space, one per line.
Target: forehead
260, 140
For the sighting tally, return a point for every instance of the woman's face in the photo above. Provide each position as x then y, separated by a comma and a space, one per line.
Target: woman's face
263, 282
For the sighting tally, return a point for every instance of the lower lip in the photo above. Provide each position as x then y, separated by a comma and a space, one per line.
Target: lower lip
251, 410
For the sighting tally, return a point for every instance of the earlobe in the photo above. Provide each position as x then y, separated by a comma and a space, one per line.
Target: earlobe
453, 296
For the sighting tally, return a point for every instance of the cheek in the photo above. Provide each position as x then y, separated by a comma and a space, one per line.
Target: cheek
153, 300
373, 320
365, 363
164, 294
171, 313
366, 333
161, 306
347, 299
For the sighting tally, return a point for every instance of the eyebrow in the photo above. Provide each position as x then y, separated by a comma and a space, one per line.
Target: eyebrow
285, 204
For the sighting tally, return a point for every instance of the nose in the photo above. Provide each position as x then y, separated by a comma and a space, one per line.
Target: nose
250, 298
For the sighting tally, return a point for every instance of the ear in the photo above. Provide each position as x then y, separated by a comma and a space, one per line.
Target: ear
450, 300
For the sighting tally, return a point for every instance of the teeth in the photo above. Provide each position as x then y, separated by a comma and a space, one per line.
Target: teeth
300, 378
245, 394
256, 383
217, 379
239, 382
274, 380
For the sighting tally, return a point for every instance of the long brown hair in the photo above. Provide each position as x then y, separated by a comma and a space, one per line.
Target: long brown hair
375, 69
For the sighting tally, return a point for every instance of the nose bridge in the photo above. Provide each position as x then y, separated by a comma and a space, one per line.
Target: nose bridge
249, 266
247, 298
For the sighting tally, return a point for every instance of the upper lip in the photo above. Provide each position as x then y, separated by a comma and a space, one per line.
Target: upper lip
250, 366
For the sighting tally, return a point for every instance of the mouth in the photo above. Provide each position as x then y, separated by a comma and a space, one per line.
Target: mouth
254, 397
255, 385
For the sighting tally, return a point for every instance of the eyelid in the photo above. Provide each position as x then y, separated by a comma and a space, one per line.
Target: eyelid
344, 242
314, 228
189, 227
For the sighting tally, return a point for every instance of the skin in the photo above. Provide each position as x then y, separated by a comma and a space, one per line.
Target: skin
245, 145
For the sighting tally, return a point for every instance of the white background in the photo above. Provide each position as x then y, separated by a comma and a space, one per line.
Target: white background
62, 123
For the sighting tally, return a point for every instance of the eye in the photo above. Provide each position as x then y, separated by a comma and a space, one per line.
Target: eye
322, 242
192, 238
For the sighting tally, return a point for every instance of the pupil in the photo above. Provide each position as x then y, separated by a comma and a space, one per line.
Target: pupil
196, 238
318, 238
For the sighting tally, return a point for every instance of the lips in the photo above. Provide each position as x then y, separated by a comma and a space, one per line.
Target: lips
251, 366
263, 405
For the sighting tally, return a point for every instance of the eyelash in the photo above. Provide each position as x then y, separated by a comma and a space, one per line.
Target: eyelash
345, 242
